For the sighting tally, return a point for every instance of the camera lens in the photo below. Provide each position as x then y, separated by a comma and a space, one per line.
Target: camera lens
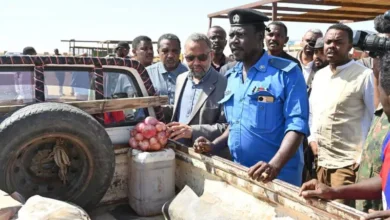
375, 43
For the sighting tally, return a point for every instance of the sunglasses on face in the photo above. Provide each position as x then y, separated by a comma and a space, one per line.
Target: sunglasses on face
202, 57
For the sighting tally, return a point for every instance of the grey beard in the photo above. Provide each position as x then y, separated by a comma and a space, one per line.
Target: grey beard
197, 75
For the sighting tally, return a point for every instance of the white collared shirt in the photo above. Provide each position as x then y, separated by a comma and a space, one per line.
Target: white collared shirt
306, 69
341, 112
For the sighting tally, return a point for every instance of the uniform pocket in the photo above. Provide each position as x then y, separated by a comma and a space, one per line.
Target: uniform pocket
266, 114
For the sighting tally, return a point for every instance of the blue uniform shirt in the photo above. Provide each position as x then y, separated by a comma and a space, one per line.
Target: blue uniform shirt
258, 124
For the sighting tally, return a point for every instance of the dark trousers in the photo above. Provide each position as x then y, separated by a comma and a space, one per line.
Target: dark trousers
338, 177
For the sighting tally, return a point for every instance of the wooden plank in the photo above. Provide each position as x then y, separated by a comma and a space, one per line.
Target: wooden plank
250, 5
308, 18
362, 6
320, 17
325, 21
107, 105
277, 191
328, 20
274, 11
219, 16
363, 10
354, 13
313, 17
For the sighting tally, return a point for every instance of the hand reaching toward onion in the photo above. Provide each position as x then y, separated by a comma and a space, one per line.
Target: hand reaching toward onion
179, 131
149, 135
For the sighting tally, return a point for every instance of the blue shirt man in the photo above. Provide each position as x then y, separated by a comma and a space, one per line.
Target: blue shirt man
271, 102
266, 106
164, 81
164, 73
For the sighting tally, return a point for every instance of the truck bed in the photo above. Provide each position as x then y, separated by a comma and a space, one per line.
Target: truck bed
196, 172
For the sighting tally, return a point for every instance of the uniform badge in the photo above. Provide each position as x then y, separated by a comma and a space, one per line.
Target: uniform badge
227, 92
236, 18
262, 67
261, 89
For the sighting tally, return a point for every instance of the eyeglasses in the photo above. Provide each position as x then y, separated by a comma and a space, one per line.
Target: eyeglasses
202, 57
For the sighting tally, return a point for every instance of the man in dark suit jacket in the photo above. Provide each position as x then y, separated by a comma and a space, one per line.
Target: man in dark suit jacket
196, 110
227, 67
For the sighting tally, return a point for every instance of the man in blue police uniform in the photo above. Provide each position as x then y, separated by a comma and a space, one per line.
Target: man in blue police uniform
266, 106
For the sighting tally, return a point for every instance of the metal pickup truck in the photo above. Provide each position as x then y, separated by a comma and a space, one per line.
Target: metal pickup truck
62, 141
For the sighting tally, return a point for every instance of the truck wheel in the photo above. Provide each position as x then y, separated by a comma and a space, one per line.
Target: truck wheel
57, 151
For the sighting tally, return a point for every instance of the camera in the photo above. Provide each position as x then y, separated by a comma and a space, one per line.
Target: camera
376, 46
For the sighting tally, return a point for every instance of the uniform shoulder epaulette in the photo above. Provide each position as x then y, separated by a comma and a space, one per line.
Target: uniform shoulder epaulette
282, 64
231, 69
229, 72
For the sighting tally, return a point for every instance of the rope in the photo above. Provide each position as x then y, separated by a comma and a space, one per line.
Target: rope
60, 158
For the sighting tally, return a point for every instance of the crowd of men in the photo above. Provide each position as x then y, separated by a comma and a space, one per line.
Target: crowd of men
321, 115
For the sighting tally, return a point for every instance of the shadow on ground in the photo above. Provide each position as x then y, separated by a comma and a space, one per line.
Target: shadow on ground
120, 212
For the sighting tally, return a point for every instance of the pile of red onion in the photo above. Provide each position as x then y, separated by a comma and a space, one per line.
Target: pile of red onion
149, 135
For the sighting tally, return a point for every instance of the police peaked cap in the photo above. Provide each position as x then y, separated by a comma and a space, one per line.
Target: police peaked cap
241, 17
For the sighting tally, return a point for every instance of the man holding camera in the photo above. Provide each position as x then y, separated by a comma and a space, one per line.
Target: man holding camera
371, 162
341, 110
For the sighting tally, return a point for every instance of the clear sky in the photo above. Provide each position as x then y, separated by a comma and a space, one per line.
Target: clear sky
44, 23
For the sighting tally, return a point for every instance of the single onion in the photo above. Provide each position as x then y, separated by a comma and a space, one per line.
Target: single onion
153, 140
133, 143
151, 120
163, 141
159, 127
139, 137
133, 132
149, 131
161, 134
162, 138
144, 145
140, 127
163, 126
155, 147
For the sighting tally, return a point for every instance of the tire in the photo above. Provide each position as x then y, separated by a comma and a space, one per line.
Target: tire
29, 135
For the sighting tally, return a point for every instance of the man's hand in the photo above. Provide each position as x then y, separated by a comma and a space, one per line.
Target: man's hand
377, 215
314, 147
202, 145
179, 130
263, 171
313, 188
